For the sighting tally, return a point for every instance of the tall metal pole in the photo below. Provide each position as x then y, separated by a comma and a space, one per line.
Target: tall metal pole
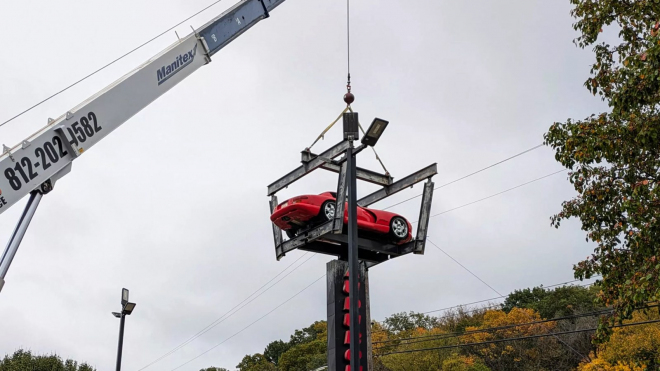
353, 265
17, 236
121, 340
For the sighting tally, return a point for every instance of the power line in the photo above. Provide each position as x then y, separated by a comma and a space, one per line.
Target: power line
108, 65
498, 293
225, 316
464, 267
471, 174
487, 300
516, 339
497, 194
497, 328
250, 325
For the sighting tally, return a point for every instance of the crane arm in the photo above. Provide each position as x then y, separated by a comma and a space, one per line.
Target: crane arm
35, 163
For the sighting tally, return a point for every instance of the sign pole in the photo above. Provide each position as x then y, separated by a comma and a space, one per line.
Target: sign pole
353, 264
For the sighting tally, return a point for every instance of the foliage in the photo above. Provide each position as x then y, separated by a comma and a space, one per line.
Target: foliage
255, 362
630, 348
463, 363
23, 360
274, 351
399, 322
530, 354
601, 365
310, 333
419, 361
615, 155
458, 319
214, 369
305, 357
307, 349
559, 302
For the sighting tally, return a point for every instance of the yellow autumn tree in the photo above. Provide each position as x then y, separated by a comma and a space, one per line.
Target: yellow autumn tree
633, 348
415, 361
528, 354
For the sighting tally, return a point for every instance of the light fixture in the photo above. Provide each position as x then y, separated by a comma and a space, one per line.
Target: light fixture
118, 315
128, 308
375, 131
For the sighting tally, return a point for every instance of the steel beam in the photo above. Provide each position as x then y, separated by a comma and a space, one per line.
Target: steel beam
277, 232
307, 167
424, 216
399, 186
17, 236
362, 174
338, 225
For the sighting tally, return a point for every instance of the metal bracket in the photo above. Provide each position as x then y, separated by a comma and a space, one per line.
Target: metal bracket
7, 151
70, 147
266, 14
207, 51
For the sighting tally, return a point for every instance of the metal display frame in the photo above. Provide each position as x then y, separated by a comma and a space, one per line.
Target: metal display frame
328, 238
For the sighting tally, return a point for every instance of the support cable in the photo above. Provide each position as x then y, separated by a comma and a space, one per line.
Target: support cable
420, 339
250, 325
229, 313
107, 65
471, 174
518, 338
490, 287
496, 194
496, 298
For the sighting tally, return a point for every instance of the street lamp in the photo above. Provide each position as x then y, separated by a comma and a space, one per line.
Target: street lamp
375, 131
126, 309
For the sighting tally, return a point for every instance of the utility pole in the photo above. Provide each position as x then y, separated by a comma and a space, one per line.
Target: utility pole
126, 309
351, 133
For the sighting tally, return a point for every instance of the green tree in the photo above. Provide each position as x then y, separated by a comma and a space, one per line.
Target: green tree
614, 156
308, 334
559, 302
255, 362
23, 360
305, 357
274, 351
400, 322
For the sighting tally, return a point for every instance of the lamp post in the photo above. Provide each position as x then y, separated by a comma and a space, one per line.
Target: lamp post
351, 133
126, 309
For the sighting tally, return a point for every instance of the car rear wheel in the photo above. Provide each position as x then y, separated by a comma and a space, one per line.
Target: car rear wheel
399, 228
327, 211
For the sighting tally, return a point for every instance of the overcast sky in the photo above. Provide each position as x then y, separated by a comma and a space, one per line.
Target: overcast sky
173, 204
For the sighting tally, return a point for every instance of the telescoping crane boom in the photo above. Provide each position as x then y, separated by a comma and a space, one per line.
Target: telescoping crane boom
33, 166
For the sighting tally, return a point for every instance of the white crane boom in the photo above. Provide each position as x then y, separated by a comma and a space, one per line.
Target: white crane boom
25, 167
33, 166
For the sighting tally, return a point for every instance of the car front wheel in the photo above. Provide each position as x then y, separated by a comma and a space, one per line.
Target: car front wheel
399, 228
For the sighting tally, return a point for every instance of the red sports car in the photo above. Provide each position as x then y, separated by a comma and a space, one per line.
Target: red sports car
302, 212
